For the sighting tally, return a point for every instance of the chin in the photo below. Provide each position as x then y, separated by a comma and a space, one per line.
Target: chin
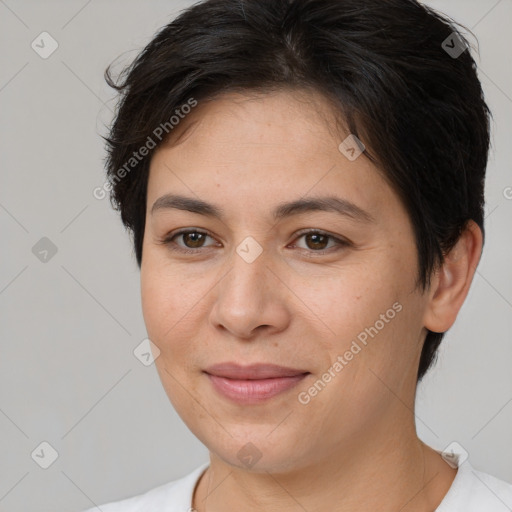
256, 449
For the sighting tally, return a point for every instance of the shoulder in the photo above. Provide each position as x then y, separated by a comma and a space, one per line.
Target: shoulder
475, 491
175, 496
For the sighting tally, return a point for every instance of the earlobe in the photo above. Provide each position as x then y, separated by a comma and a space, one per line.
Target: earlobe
452, 280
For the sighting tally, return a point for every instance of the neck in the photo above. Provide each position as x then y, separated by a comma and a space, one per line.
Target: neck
373, 472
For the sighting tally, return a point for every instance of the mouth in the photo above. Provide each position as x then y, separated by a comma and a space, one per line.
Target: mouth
253, 384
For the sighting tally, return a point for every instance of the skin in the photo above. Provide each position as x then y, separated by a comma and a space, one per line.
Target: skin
354, 445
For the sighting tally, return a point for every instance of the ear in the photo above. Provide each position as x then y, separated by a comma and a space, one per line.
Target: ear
450, 283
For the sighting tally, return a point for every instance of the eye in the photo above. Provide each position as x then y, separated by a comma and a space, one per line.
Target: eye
193, 240
318, 241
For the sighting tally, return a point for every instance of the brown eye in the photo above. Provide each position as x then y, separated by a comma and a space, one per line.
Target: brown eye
193, 239
316, 240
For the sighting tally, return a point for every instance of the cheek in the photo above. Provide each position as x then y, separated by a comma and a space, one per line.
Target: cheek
154, 300
373, 351
373, 319
163, 300
173, 300
351, 299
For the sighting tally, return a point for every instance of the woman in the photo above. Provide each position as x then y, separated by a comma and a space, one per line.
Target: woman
304, 184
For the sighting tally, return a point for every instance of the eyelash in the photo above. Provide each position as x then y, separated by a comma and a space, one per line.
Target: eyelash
168, 240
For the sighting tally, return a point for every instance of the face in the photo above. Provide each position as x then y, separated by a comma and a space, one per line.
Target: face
337, 304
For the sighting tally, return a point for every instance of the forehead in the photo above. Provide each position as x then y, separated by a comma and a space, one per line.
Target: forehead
249, 151
277, 118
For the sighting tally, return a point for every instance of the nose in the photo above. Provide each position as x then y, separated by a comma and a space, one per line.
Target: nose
250, 299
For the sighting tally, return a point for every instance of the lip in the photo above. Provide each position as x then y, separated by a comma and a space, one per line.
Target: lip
255, 383
252, 371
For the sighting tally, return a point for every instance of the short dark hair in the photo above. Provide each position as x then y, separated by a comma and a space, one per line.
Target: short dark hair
384, 65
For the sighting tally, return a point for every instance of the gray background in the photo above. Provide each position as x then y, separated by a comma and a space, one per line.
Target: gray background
69, 325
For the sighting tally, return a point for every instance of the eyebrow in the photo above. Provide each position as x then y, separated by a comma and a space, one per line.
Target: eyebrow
287, 209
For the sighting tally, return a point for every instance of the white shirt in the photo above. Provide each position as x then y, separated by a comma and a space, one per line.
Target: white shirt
471, 491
